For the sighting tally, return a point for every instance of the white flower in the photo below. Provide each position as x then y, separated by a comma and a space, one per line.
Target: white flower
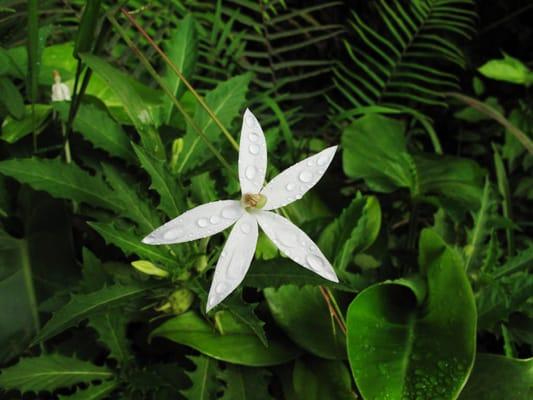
251, 211
60, 91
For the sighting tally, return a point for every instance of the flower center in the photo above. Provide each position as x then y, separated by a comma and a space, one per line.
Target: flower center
253, 200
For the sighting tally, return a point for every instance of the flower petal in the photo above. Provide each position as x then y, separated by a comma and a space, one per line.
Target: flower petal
295, 181
295, 244
200, 222
234, 260
252, 155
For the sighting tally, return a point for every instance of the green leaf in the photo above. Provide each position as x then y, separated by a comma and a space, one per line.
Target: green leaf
82, 306
203, 378
245, 312
61, 180
316, 379
11, 98
172, 198
93, 392
234, 343
245, 383
401, 347
496, 378
352, 232
508, 69
50, 372
111, 328
182, 49
15, 129
140, 113
380, 159
226, 101
283, 271
97, 126
85, 37
304, 316
136, 208
130, 243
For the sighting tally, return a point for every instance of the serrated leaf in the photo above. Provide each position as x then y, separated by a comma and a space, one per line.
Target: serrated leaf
111, 328
226, 100
93, 392
136, 208
203, 378
352, 232
245, 383
93, 274
182, 50
50, 372
82, 306
97, 126
277, 272
61, 180
140, 113
172, 201
130, 243
245, 312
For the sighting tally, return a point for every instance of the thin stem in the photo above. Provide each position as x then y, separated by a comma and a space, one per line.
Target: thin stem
167, 60
163, 86
332, 310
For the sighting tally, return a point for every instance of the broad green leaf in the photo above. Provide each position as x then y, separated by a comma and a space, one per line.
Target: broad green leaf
496, 378
203, 378
140, 113
245, 313
234, 342
93, 392
15, 129
182, 49
374, 149
111, 328
172, 197
130, 243
61, 180
508, 69
402, 348
138, 209
352, 232
305, 317
226, 100
244, 383
316, 379
97, 126
49, 372
11, 98
82, 306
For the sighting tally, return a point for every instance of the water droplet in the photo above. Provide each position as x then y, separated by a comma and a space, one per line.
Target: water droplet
214, 219
314, 262
202, 222
287, 238
322, 160
310, 163
173, 234
250, 121
250, 172
220, 288
246, 228
230, 212
306, 176
253, 136
253, 149
290, 186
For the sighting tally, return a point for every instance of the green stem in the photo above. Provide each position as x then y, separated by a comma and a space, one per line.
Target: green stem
163, 86
172, 66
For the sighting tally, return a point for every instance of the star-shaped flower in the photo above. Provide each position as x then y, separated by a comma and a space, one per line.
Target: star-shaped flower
60, 91
252, 211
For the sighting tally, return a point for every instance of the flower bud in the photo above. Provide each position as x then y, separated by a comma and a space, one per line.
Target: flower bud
146, 267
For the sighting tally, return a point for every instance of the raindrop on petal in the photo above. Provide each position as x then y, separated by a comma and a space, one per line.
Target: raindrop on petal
219, 289
290, 186
250, 172
322, 160
253, 149
202, 222
173, 234
215, 219
287, 238
314, 262
306, 176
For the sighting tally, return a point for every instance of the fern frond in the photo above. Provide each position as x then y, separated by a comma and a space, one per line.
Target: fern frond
405, 61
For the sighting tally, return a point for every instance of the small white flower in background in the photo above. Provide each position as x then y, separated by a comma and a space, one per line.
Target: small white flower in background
60, 91
251, 211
